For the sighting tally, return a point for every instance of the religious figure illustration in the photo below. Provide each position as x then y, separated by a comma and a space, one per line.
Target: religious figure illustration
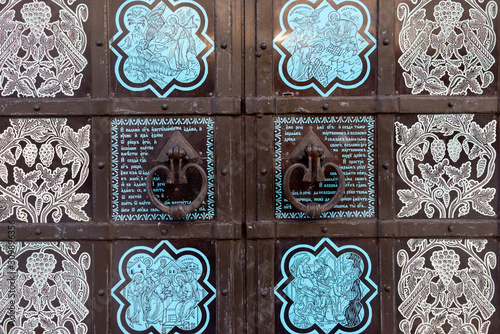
161, 48
324, 45
168, 292
330, 291
41, 49
451, 54
446, 284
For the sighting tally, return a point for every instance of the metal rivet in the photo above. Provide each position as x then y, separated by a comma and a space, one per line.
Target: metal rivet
386, 165
164, 231
164, 106
100, 292
324, 229
224, 171
451, 104
36, 107
223, 45
325, 106
387, 288
98, 42
263, 171
224, 292
37, 231
258, 54
100, 164
451, 228
386, 41
263, 46
263, 292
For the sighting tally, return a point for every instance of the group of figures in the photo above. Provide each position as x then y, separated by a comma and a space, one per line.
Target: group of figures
331, 290
454, 292
161, 44
450, 55
39, 56
163, 292
326, 44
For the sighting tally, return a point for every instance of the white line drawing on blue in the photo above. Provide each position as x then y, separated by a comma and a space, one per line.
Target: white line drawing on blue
165, 289
51, 287
450, 293
451, 61
34, 64
34, 195
443, 187
324, 45
326, 289
161, 45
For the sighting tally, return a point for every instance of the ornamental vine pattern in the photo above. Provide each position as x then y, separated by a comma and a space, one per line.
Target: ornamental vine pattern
453, 291
324, 45
326, 289
446, 185
50, 291
163, 290
30, 187
161, 45
40, 56
452, 54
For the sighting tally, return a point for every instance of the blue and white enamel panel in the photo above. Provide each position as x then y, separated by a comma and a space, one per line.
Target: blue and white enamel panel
326, 289
324, 45
161, 46
135, 143
447, 286
44, 170
447, 47
163, 290
446, 166
350, 139
45, 287
43, 47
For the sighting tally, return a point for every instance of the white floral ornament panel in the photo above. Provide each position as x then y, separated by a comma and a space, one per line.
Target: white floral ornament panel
447, 286
446, 166
44, 288
42, 45
44, 170
447, 47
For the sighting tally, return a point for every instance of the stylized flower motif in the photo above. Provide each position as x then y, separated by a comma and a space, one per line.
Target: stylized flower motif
43, 298
443, 187
41, 48
433, 58
323, 45
35, 194
451, 293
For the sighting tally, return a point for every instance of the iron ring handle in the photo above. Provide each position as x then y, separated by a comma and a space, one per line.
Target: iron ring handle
180, 210
314, 209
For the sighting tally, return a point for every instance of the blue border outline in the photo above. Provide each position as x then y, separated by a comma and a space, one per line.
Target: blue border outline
115, 201
152, 251
314, 249
278, 157
149, 86
337, 84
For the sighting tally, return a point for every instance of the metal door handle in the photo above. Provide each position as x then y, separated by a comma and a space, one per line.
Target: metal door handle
179, 210
314, 154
